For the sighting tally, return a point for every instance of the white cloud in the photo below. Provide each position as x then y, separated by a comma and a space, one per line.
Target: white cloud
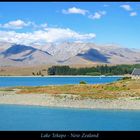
40, 36
56, 34
126, 7
106, 5
75, 10
102, 12
133, 14
16, 24
97, 15
20, 24
44, 25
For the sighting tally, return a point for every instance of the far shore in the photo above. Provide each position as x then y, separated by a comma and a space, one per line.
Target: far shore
67, 76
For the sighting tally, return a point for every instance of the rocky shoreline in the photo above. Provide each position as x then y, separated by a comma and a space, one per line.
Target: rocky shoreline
72, 101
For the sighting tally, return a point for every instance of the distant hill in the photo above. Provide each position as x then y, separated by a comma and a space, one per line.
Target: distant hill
25, 55
66, 53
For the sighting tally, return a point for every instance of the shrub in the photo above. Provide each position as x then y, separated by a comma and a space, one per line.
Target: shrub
125, 78
83, 82
33, 73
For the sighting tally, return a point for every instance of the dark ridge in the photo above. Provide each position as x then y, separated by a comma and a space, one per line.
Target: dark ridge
22, 59
62, 61
18, 59
94, 55
15, 49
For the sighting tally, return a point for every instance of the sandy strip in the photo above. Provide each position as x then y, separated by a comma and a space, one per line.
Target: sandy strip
10, 97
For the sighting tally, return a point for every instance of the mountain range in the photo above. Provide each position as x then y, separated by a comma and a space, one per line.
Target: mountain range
66, 53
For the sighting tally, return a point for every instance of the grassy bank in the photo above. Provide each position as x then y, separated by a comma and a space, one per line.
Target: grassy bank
122, 88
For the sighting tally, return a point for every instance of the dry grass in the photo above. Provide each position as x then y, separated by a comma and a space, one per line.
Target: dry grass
23, 70
123, 88
28, 70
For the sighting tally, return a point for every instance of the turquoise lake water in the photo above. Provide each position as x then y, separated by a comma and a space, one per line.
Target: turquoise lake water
18, 117
40, 81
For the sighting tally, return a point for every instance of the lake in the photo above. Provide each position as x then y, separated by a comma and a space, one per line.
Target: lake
59, 80
18, 117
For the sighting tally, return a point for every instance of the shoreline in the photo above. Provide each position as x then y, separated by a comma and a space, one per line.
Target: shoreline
70, 101
76, 108
66, 76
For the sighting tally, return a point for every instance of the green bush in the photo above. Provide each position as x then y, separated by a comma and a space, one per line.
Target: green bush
83, 82
126, 78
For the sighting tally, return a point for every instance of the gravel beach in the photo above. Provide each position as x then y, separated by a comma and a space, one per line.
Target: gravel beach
10, 97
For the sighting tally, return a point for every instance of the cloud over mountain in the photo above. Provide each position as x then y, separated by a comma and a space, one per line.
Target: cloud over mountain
44, 36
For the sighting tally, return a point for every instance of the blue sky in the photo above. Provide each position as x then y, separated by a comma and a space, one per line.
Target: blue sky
99, 22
